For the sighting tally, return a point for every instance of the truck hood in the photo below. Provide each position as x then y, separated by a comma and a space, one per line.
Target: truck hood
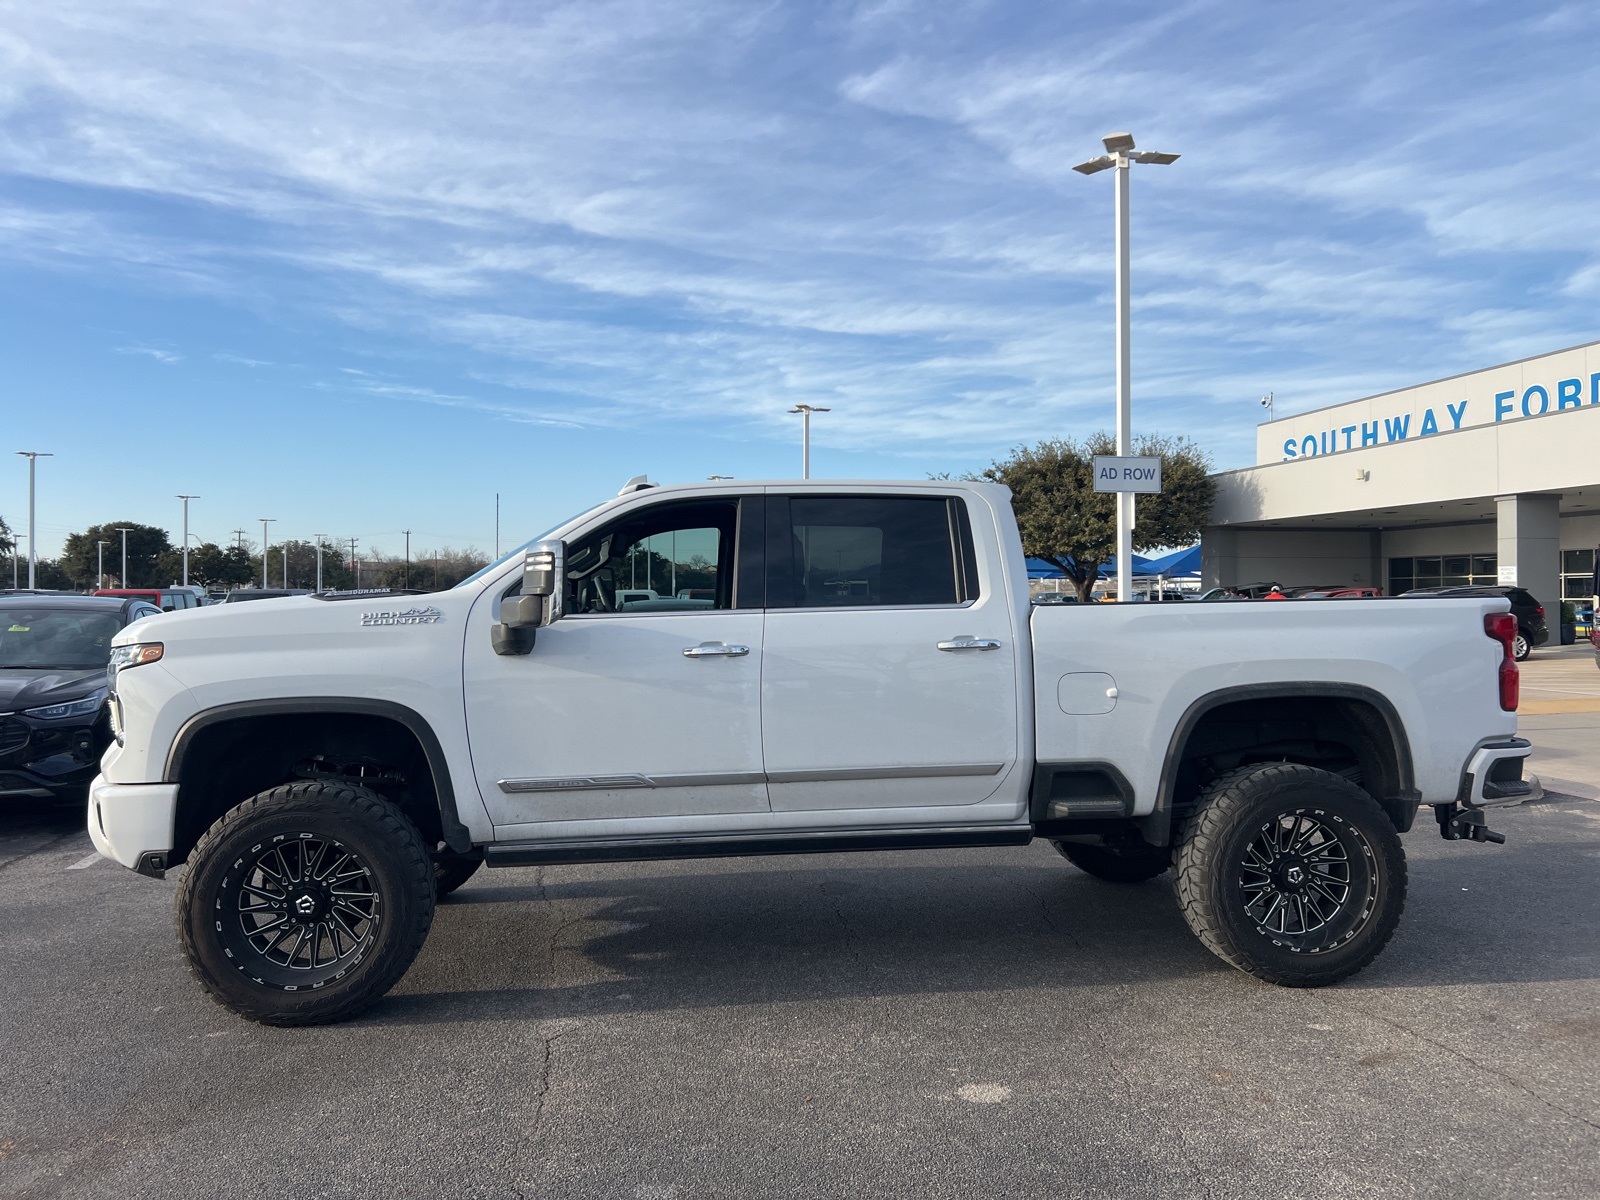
300, 621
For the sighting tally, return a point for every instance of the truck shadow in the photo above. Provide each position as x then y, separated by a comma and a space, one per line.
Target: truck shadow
645, 938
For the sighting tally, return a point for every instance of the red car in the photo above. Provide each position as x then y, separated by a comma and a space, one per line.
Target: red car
172, 599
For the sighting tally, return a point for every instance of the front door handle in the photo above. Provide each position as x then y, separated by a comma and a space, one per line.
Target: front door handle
715, 650
967, 643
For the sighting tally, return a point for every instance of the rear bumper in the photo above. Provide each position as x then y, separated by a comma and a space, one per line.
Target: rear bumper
1494, 775
132, 823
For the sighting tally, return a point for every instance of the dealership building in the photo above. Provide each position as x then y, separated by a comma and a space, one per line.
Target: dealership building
1488, 477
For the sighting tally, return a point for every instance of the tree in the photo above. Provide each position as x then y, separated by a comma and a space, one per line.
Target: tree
430, 570
146, 544
1065, 522
8, 543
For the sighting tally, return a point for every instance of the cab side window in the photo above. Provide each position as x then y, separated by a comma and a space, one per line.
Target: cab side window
675, 557
866, 551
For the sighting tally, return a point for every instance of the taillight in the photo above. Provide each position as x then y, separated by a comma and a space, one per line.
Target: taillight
1540, 610
1502, 627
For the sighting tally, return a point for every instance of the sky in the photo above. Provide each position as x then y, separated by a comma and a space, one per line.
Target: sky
359, 266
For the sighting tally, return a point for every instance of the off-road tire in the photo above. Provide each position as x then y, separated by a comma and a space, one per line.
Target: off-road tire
1117, 864
393, 874
451, 870
1244, 810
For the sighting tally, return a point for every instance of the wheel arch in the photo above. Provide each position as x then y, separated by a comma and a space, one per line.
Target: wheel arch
403, 730
1378, 738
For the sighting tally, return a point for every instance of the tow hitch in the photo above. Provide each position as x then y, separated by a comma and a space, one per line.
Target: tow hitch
1457, 823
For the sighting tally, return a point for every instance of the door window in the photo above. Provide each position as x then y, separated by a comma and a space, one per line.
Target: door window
867, 551
669, 558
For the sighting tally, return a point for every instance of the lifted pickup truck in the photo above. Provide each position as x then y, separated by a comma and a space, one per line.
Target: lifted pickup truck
772, 668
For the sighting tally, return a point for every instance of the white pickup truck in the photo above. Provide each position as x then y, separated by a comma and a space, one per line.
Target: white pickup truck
771, 668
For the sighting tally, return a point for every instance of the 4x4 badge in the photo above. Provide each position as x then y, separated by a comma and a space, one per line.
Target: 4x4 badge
408, 616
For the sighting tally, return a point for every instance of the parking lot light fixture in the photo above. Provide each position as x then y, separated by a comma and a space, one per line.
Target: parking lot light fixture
16, 557
100, 563
1121, 155
265, 521
33, 457
321, 537
406, 578
122, 580
805, 411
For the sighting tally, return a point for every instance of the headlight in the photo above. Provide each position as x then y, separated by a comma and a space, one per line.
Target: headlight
134, 655
89, 705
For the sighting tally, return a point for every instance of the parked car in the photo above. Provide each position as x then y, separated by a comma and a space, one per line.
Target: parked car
54, 724
169, 599
1055, 598
1531, 628
1242, 591
328, 766
1341, 593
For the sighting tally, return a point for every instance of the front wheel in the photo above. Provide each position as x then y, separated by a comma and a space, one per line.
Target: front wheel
1291, 874
1521, 647
306, 903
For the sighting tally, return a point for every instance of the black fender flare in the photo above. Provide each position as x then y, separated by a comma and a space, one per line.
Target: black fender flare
456, 835
1156, 828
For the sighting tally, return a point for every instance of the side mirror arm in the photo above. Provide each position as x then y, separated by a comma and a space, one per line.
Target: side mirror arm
539, 602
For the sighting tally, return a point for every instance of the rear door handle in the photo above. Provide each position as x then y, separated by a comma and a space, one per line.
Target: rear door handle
715, 650
967, 643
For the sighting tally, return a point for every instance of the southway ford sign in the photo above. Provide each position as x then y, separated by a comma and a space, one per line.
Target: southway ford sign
1537, 387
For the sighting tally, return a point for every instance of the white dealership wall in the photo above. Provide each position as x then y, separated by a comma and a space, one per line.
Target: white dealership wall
1501, 461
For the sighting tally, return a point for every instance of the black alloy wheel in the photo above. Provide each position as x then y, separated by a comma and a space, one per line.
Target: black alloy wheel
306, 903
1290, 873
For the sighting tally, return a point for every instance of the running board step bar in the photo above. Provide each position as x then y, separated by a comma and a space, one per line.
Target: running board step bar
832, 841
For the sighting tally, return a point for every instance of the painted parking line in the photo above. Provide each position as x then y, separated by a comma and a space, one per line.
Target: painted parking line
88, 860
1547, 708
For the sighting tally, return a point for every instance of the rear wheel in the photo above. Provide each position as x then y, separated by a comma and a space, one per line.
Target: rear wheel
1119, 863
1521, 647
1291, 874
306, 903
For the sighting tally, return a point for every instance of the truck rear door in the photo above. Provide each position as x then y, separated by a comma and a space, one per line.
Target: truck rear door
890, 676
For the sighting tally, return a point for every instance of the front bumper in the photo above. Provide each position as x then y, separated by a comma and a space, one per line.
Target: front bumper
132, 823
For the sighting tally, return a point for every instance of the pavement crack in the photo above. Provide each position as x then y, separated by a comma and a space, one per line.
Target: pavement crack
1453, 1052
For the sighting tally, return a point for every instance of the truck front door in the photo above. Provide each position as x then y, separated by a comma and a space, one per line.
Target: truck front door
644, 699
890, 678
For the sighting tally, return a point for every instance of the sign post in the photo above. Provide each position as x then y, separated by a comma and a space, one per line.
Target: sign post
1126, 476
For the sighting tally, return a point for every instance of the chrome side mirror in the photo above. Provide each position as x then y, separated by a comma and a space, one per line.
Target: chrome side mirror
539, 602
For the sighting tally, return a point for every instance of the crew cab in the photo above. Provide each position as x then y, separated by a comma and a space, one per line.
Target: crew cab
824, 666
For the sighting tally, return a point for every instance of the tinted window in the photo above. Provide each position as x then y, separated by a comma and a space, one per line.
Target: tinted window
848, 551
669, 558
63, 638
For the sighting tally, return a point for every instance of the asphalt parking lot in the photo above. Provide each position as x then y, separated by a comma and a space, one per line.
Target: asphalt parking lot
919, 1024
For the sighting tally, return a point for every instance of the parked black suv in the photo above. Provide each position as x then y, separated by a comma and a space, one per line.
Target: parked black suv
54, 650
1531, 629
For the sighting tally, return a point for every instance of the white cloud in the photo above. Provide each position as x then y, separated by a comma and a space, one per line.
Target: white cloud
613, 211
155, 352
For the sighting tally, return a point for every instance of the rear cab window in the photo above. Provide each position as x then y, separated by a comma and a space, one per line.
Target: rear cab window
867, 551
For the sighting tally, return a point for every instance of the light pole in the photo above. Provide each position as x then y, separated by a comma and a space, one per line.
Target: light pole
100, 563
319, 537
122, 580
805, 411
1266, 403
355, 563
186, 500
1121, 155
407, 576
33, 457
16, 557
286, 566
264, 523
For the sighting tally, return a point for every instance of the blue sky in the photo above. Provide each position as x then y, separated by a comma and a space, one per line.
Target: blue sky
359, 266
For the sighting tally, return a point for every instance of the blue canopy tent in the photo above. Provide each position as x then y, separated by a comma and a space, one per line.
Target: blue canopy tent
1180, 564
1039, 569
